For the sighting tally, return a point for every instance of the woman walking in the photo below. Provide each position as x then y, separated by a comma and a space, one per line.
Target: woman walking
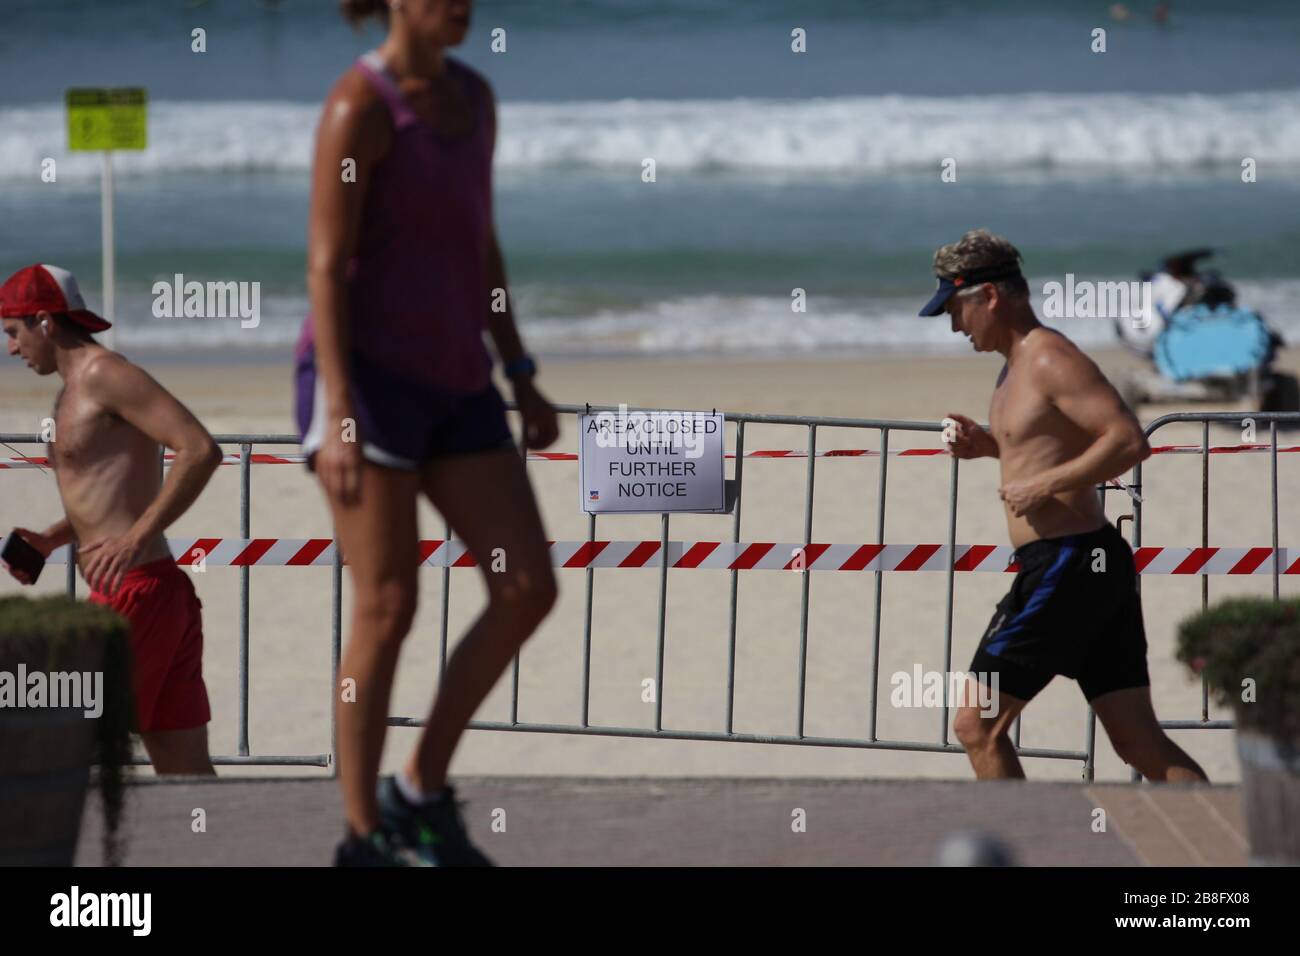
395, 399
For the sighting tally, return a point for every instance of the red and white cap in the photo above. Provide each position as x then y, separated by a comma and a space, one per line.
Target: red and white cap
47, 289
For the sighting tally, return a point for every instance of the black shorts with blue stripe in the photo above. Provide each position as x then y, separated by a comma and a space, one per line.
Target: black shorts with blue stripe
1072, 610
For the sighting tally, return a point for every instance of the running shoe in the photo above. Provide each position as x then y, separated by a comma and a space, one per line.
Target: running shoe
377, 849
435, 832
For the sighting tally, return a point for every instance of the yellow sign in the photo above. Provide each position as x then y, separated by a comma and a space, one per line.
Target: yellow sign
101, 118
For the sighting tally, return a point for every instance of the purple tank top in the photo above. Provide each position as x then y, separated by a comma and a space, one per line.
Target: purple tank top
417, 284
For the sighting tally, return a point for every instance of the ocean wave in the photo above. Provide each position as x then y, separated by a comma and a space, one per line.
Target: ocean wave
853, 135
695, 324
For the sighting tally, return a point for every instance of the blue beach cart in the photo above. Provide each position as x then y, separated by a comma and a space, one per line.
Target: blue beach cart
1202, 345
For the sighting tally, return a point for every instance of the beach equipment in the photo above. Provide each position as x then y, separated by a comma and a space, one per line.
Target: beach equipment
1202, 345
1201, 342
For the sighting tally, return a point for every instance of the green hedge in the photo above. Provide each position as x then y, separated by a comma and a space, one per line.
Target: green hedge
1249, 638
44, 633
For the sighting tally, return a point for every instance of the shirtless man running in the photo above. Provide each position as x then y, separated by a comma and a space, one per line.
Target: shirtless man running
1059, 428
109, 420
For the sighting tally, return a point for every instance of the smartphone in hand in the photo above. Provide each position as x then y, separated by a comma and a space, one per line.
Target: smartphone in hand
22, 560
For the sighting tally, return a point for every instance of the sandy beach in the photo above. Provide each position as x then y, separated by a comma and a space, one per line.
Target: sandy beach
289, 607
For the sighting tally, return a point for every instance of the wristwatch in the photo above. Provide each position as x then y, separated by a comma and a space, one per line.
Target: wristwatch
524, 365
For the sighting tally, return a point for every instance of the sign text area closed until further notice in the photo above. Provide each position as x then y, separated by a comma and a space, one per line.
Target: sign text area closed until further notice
647, 462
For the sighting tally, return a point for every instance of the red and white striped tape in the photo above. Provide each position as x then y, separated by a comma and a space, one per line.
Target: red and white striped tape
40, 461
264, 459
725, 555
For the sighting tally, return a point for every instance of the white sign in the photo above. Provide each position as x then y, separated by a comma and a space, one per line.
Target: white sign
639, 462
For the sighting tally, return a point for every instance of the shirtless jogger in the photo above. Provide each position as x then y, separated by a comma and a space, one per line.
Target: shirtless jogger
1059, 429
109, 420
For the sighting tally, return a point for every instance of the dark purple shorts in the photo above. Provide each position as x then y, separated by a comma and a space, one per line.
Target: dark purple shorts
400, 423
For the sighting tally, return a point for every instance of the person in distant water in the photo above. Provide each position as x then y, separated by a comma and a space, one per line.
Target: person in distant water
109, 420
1161, 13
395, 400
1058, 428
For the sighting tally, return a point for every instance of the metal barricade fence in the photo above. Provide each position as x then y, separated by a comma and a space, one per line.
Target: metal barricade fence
1276, 560
244, 757
946, 555
810, 424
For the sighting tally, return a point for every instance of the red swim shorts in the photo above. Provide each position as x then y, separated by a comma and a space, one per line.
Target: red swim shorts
166, 619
